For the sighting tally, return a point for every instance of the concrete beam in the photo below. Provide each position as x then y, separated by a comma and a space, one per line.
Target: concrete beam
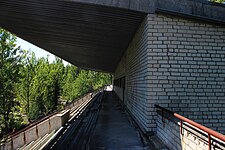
197, 9
147, 6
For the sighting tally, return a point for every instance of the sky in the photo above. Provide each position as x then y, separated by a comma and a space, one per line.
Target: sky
37, 50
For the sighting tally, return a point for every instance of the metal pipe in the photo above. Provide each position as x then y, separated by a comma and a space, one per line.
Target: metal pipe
203, 128
209, 141
181, 127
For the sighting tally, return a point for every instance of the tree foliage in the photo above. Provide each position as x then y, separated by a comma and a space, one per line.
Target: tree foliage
218, 1
31, 87
9, 75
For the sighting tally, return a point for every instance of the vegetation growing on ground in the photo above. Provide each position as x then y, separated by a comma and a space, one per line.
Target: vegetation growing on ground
31, 87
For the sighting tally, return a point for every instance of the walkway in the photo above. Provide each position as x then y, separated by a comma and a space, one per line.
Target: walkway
113, 129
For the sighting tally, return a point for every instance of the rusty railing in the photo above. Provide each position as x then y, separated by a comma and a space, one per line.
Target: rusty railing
183, 119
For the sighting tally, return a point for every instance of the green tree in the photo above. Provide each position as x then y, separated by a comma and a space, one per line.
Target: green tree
46, 87
9, 76
83, 83
71, 73
31, 86
24, 87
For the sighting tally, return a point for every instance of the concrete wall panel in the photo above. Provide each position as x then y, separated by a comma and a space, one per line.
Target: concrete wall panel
55, 122
59, 120
65, 117
8, 145
31, 134
43, 128
18, 140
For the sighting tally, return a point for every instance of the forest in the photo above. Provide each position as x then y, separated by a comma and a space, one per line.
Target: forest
31, 87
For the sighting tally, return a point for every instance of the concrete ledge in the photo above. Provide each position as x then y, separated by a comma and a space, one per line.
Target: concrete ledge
196, 8
37, 131
135, 5
59, 120
200, 9
8, 145
43, 128
64, 117
18, 140
31, 134
40, 130
55, 123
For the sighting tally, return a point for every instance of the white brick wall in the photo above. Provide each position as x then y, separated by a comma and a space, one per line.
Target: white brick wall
133, 65
178, 64
187, 68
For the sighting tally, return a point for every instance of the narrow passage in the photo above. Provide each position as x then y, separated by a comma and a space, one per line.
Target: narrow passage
113, 129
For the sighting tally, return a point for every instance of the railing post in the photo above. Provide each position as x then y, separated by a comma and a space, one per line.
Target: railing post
182, 119
209, 141
181, 127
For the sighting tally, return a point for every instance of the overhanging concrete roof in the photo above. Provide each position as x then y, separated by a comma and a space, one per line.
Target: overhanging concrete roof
92, 34
89, 36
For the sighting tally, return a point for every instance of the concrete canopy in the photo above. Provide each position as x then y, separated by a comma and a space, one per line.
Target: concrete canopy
93, 34
88, 36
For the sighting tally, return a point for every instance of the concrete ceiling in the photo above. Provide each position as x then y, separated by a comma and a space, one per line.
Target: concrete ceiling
93, 34
88, 36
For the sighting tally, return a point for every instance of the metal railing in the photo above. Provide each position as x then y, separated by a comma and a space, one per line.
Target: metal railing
183, 120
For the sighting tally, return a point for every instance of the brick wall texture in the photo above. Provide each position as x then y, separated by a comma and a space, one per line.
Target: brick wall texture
134, 67
178, 64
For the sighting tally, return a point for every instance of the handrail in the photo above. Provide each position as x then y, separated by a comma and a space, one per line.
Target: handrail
195, 124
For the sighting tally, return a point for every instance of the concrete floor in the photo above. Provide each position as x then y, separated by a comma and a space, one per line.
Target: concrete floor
113, 129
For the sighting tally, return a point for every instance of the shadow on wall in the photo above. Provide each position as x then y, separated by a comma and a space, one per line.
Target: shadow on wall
186, 138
